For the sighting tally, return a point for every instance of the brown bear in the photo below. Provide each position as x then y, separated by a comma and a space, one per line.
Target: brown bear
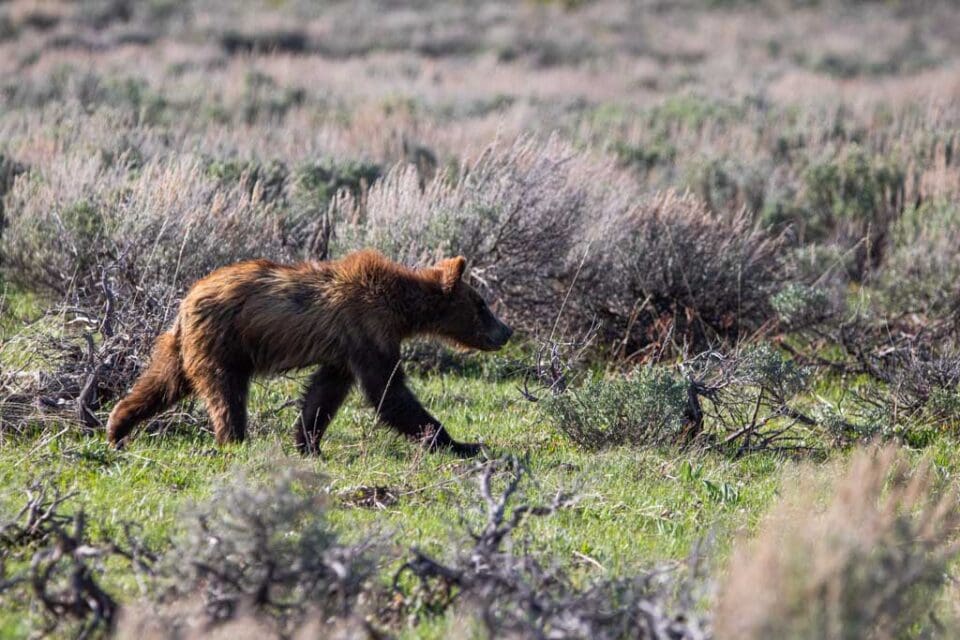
347, 317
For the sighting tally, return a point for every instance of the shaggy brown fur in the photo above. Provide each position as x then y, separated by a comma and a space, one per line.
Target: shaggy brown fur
347, 317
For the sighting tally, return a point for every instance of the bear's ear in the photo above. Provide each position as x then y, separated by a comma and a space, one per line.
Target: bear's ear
451, 270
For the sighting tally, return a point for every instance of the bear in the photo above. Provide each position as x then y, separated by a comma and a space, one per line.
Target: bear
346, 317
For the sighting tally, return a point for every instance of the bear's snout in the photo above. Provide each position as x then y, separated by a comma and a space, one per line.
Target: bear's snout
500, 335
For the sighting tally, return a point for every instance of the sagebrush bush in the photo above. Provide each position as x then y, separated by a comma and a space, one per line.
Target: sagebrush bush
554, 238
54, 562
261, 560
919, 388
519, 214
752, 399
117, 246
153, 229
561, 240
269, 552
645, 408
676, 276
850, 199
727, 185
799, 305
922, 273
117, 236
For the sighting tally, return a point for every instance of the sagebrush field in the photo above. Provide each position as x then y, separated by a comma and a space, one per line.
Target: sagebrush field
727, 233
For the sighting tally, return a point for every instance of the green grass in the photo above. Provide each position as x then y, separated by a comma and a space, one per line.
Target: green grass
16, 308
636, 508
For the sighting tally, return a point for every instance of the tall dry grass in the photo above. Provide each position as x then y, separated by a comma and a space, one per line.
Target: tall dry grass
871, 564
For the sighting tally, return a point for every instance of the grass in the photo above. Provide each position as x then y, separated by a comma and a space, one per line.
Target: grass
637, 508
17, 307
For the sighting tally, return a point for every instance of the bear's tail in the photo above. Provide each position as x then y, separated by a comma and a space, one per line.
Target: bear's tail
158, 387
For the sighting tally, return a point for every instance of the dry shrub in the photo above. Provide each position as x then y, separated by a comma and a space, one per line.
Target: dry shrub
837, 176
263, 561
512, 591
560, 239
266, 552
750, 400
740, 401
868, 566
117, 243
912, 363
519, 213
121, 219
848, 199
555, 237
671, 274
158, 226
854, 196
57, 567
917, 369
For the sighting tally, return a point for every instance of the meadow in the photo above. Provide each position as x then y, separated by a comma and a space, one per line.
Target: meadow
725, 231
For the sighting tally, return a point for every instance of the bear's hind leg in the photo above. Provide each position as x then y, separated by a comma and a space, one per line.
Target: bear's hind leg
225, 395
327, 389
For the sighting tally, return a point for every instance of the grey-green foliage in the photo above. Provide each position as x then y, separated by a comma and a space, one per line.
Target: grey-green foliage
922, 271
517, 213
728, 184
264, 99
799, 305
849, 197
645, 408
156, 228
842, 195
270, 176
317, 182
164, 221
301, 194
750, 399
765, 367
269, 550
854, 186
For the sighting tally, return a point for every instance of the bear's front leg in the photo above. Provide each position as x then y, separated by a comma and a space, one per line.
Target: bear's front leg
383, 383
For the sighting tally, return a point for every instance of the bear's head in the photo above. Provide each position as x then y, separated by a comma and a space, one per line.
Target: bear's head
462, 315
